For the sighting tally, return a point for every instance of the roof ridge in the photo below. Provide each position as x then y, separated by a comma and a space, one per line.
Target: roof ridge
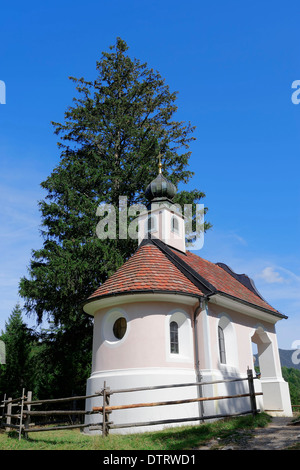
196, 278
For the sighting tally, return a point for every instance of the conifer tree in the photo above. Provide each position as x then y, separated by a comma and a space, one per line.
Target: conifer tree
18, 338
109, 142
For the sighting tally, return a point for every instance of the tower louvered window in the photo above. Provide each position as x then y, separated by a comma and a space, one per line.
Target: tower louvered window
174, 225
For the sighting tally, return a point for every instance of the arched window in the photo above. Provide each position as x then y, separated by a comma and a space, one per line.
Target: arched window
174, 224
222, 351
174, 344
228, 351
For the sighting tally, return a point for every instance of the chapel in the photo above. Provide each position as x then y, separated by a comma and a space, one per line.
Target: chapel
168, 316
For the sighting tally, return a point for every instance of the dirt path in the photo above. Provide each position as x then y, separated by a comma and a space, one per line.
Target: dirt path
278, 435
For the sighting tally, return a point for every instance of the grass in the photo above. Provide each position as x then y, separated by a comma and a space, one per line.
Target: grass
180, 438
293, 447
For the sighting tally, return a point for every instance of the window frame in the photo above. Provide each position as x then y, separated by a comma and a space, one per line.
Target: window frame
107, 326
222, 345
185, 337
174, 337
227, 324
174, 227
151, 226
120, 327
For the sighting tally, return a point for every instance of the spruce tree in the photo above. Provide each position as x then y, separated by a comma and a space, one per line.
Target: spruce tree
109, 143
18, 339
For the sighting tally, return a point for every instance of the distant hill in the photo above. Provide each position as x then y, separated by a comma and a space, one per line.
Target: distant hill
286, 358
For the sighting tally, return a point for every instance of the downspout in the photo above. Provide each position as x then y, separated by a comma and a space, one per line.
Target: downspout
198, 309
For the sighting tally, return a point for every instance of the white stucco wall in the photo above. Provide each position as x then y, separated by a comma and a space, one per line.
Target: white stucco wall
162, 229
146, 341
143, 358
240, 330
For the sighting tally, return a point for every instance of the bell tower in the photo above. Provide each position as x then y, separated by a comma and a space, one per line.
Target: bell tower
163, 219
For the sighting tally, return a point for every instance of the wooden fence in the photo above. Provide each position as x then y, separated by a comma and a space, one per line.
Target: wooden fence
24, 414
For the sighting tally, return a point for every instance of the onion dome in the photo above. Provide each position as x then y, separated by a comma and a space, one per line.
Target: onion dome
160, 188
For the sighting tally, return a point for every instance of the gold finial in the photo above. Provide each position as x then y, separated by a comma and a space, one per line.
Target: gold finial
159, 164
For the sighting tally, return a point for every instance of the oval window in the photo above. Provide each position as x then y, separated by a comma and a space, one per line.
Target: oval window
120, 327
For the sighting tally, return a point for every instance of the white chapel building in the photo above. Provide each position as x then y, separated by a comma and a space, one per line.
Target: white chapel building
168, 316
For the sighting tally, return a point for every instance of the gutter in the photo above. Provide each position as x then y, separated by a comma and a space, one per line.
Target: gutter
244, 304
197, 311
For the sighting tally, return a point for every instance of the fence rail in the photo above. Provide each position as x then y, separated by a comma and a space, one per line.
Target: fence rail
25, 413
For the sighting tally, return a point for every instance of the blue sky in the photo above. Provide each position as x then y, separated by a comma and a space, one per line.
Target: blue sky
233, 64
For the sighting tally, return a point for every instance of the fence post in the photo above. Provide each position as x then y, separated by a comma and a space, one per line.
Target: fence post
252, 392
103, 411
8, 412
27, 419
2, 410
106, 399
21, 413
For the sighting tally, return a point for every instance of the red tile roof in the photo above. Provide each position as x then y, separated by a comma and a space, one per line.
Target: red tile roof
148, 269
154, 267
222, 280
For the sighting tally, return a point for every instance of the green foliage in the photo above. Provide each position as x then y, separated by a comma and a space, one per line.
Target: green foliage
57, 363
292, 376
18, 339
109, 142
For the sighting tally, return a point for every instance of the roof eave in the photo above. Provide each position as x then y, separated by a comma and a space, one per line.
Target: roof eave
242, 306
92, 304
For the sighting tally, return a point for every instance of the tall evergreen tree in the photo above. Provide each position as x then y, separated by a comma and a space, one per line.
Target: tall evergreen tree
18, 339
109, 144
